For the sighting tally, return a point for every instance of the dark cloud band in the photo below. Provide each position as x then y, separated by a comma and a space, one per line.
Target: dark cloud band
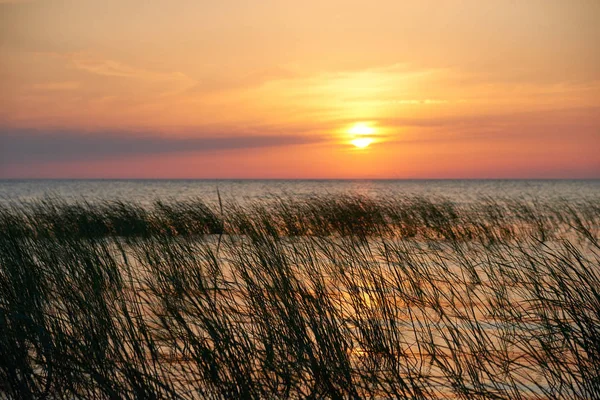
19, 146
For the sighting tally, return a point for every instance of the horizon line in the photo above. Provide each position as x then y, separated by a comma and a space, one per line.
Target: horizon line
302, 179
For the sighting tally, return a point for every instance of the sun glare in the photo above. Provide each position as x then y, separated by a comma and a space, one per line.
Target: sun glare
361, 129
361, 143
362, 135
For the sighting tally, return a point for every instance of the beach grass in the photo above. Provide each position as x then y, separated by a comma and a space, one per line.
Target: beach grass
321, 297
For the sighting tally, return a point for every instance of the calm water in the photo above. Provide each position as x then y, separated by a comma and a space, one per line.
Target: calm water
146, 191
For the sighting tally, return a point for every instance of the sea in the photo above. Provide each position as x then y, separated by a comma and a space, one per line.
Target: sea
146, 192
473, 280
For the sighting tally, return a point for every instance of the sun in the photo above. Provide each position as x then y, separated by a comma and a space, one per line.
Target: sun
363, 142
361, 129
362, 135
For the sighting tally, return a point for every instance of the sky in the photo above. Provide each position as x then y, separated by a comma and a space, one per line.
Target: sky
282, 89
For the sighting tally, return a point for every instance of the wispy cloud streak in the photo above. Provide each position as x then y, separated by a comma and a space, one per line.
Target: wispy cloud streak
19, 146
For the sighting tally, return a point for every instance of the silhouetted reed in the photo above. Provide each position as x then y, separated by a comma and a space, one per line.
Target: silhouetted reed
323, 297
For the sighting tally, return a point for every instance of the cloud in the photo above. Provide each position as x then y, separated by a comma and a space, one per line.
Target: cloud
94, 64
56, 86
219, 82
108, 67
21, 146
574, 116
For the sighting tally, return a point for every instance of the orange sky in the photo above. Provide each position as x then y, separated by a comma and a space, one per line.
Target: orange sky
270, 89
